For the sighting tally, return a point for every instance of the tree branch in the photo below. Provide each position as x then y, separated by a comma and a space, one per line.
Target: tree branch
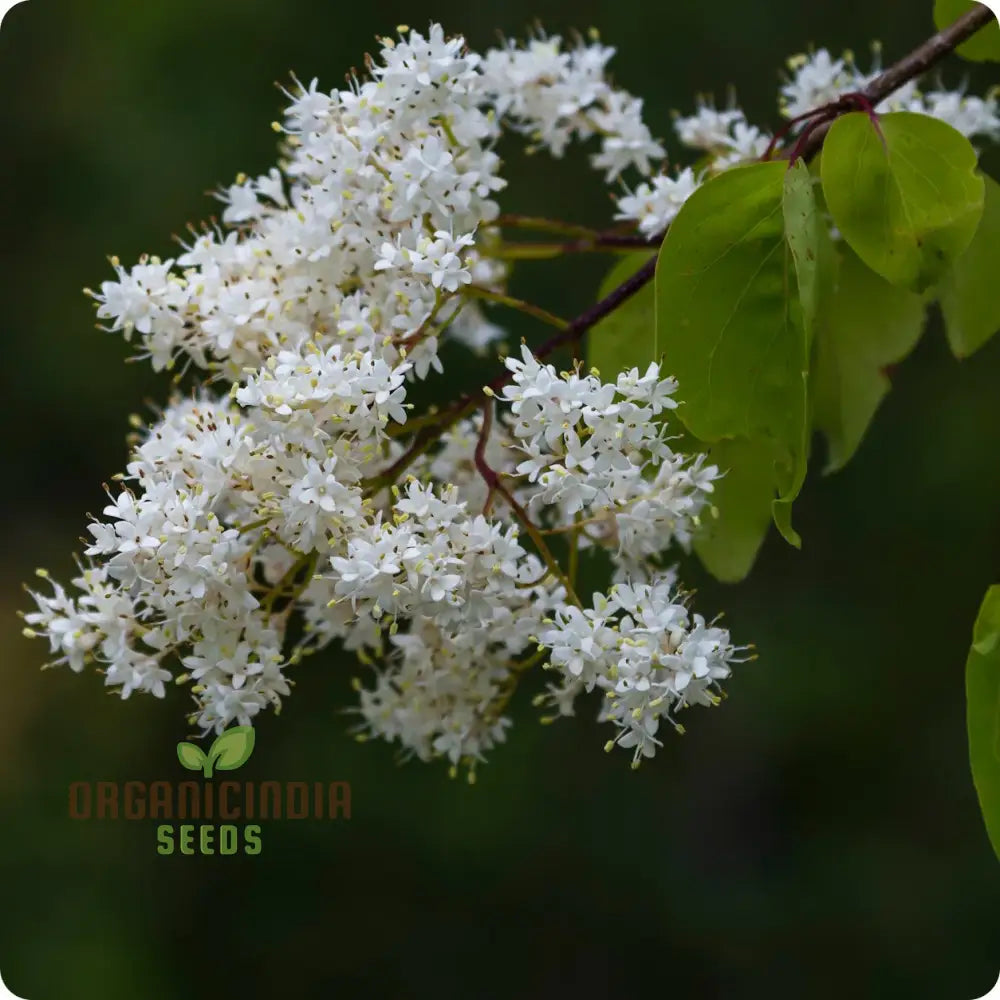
925, 56
577, 327
917, 63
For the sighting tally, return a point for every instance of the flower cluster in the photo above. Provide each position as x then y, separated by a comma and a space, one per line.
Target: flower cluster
649, 655
818, 79
599, 460
293, 501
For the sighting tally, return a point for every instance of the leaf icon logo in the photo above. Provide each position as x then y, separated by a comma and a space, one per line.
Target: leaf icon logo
230, 750
191, 756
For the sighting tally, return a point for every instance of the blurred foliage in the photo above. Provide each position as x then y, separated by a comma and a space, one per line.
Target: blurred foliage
818, 835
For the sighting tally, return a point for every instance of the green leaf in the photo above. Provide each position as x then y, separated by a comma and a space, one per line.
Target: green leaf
804, 231
867, 324
907, 201
191, 756
983, 45
233, 748
808, 240
730, 322
970, 293
729, 541
982, 694
624, 339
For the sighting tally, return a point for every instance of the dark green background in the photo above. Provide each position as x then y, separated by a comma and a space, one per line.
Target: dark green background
816, 837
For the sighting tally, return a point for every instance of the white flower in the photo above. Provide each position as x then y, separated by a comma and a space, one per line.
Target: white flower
441, 259
707, 129
745, 144
972, 116
818, 80
655, 204
626, 142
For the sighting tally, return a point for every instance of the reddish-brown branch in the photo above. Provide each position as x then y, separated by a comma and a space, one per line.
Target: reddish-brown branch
495, 484
490, 476
917, 63
612, 241
589, 318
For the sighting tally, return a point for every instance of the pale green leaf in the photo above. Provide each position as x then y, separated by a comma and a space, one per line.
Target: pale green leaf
808, 240
867, 325
970, 293
731, 537
804, 231
982, 693
907, 198
730, 322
